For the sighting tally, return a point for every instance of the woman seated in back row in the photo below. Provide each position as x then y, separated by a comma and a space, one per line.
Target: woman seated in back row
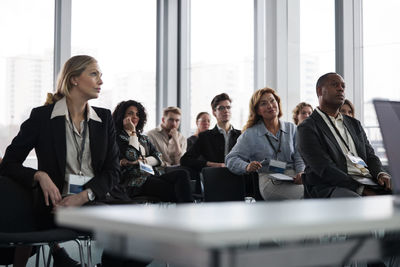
347, 108
137, 153
268, 145
202, 123
301, 112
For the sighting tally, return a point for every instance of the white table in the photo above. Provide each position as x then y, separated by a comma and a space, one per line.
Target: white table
228, 234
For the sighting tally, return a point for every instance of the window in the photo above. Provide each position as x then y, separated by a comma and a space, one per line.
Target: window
26, 61
222, 45
122, 37
317, 45
381, 61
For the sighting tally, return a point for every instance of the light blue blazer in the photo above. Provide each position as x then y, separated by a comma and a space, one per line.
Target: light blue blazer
253, 145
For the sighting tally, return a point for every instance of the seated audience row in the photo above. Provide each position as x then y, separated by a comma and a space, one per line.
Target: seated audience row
86, 155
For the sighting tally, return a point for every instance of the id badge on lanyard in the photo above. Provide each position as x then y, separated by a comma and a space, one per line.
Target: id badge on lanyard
76, 183
146, 168
277, 166
358, 162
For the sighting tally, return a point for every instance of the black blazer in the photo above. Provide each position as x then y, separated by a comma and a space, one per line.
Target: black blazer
210, 146
48, 138
326, 166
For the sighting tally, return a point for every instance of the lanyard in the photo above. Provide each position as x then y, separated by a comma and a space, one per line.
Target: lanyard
337, 131
276, 150
82, 148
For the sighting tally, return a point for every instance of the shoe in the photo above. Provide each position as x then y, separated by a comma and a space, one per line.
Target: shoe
62, 259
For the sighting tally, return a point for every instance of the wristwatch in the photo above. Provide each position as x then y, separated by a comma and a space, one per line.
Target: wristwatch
90, 194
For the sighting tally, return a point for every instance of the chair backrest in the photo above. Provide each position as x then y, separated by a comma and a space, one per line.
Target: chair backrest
222, 185
16, 206
16, 213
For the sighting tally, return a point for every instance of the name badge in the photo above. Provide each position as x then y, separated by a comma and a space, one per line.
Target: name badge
146, 168
76, 183
356, 160
277, 166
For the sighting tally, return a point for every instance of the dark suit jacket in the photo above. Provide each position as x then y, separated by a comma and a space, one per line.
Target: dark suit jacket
48, 138
210, 146
326, 166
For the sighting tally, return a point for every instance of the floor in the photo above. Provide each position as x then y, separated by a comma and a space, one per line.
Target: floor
73, 251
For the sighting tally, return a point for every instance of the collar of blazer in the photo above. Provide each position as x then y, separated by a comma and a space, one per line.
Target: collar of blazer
321, 124
96, 133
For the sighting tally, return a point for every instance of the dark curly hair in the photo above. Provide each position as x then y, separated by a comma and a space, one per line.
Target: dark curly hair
119, 114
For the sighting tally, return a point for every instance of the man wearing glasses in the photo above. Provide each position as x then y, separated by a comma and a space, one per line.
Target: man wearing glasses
213, 145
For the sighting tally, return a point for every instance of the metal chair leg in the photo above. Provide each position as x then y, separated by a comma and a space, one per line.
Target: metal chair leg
49, 258
80, 252
89, 252
37, 256
44, 255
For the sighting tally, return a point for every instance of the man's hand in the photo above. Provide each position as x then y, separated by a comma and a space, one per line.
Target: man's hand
174, 134
384, 180
253, 166
50, 190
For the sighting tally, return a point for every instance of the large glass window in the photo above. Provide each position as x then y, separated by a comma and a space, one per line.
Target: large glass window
26, 61
222, 38
381, 61
122, 36
317, 45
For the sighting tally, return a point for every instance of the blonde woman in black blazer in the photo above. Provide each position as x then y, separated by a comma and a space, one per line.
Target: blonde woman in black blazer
47, 131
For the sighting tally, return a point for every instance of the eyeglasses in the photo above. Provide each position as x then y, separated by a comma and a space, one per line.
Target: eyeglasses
222, 108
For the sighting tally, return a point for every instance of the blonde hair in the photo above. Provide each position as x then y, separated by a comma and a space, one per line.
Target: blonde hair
72, 68
253, 106
175, 110
298, 109
348, 102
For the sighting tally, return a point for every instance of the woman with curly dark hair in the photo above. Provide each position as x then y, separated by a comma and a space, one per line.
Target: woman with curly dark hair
138, 157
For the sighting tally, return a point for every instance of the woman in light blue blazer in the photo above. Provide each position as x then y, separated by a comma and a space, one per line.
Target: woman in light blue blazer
268, 145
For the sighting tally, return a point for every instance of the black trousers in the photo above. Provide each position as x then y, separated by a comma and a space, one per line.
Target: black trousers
172, 186
110, 260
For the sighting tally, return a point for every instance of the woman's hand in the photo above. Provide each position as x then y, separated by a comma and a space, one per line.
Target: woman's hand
129, 127
124, 162
253, 166
75, 200
142, 160
297, 179
49, 189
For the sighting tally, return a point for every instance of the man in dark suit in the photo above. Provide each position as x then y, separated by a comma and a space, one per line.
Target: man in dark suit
338, 156
213, 145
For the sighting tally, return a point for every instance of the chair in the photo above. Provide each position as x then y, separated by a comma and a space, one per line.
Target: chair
17, 226
222, 185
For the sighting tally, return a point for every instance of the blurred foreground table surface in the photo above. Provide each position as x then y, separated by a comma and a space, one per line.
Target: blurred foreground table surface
287, 233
